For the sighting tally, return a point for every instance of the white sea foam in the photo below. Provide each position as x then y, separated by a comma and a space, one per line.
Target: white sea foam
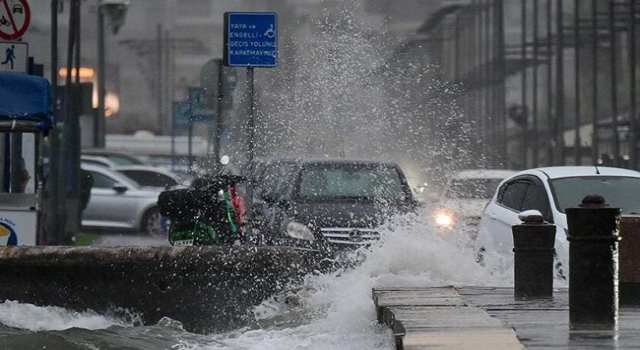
338, 308
36, 318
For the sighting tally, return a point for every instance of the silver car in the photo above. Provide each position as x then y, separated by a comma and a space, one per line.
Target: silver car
154, 177
117, 202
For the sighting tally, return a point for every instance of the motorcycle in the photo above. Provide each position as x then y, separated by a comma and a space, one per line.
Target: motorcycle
209, 213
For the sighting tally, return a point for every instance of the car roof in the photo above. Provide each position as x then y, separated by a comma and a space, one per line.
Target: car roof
573, 171
306, 161
497, 174
93, 156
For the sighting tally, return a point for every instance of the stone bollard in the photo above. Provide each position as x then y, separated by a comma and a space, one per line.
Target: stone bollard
533, 243
593, 262
629, 283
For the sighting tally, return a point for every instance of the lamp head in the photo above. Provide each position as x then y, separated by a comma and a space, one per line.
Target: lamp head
116, 10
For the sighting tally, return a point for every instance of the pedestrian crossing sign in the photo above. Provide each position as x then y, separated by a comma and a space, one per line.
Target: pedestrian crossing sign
14, 57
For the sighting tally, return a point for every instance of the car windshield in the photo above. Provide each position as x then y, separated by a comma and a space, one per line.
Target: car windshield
472, 188
618, 191
350, 181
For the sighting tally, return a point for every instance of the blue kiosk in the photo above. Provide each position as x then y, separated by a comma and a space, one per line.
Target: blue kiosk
25, 120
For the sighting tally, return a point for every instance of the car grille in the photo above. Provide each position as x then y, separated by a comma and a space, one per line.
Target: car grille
349, 235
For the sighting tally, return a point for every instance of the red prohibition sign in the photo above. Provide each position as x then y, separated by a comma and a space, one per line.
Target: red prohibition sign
9, 28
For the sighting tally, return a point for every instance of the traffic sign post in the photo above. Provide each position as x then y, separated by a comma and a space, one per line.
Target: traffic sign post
179, 121
15, 17
200, 111
251, 39
217, 82
180, 115
14, 57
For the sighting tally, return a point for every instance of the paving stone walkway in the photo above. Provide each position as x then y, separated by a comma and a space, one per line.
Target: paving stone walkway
491, 318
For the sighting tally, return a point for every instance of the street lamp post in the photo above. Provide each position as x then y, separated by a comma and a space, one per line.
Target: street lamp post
99, 124
116, 10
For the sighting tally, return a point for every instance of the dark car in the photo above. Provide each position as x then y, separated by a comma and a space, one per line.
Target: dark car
331, 205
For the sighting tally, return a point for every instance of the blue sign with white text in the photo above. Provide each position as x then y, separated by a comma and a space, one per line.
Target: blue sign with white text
251, 39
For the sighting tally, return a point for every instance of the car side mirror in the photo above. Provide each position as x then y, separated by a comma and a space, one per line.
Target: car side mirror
119, 188
531, 216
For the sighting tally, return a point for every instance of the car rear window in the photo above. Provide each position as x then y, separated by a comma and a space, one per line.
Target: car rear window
618, 191
333, 181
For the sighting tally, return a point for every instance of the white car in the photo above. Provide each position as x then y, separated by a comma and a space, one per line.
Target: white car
465, 196
550, 191
98, 161
117, 202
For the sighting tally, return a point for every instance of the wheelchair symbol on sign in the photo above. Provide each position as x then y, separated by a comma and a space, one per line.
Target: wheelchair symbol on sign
270, 33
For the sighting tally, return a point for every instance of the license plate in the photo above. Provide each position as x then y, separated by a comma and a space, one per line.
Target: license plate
183, 243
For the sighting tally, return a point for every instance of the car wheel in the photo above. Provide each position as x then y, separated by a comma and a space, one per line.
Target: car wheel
152, 222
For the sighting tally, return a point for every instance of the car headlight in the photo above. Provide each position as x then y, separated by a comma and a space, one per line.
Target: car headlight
444, 219
299, 231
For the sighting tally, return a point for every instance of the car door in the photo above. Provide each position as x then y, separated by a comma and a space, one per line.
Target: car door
107, 207
502, 214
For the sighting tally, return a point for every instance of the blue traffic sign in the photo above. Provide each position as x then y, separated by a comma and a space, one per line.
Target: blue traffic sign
197, 109
180, 115
251, 39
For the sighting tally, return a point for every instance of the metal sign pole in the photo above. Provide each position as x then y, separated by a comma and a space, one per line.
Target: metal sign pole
190, 146
52, 224
101, 124
251, 121
218, 121
250, 142
173, 138
259, 31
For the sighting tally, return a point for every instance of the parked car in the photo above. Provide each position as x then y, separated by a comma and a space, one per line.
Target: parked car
153, 177
117, 158
331, 205
550, 191
465, 196
98, 161
117, 202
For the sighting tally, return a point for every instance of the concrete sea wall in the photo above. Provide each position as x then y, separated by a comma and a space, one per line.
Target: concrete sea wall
206, 288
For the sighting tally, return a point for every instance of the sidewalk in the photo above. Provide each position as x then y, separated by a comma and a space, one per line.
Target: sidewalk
490, 318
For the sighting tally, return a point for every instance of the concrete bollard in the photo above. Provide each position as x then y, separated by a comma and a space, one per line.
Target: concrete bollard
533, 243
593, 262
630, 260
